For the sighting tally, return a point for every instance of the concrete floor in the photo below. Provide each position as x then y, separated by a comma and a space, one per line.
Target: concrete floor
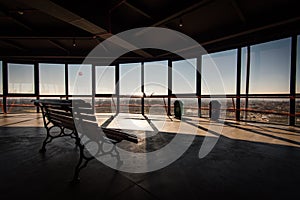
249, 160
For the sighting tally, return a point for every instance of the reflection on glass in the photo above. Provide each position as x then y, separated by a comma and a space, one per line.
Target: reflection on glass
156, 78
1, 81
270, 67
52, 79
219, 73
105, 79
184, 76
20, 105
266, 110
20, 78
130, 79
80, 79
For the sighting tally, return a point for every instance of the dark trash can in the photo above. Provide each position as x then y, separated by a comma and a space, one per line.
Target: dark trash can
214, 109
178, 109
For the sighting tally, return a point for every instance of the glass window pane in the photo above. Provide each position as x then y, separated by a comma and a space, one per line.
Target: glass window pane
184, 76
106, 105
105, 79
190, 106
20, 78
52, 79
270, 67
80, 79
20, 105
244, 70
297, 111
1, 105
221, 64
130, 105
1, 80
267, 110
156, 78
156, 106
298, 82
130, 79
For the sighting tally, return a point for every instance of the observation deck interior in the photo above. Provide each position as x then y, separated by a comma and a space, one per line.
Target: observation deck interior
250, 50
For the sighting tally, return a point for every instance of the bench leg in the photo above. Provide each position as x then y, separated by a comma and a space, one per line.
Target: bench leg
45, 142
81, 164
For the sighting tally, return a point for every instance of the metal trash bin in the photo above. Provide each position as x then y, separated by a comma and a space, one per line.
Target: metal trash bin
178, 109
214, 109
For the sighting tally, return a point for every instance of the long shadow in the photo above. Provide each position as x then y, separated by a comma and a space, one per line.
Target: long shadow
201, 127
264, 134
151, 124
108, 121
292, 132
243, 128
26, 120
239, 168
268, 125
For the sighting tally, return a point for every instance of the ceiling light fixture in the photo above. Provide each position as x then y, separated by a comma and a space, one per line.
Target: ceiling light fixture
20, 12
180, 22
74, 43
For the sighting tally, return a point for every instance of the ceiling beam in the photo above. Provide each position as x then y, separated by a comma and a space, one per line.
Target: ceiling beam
15, 19
138, 10
13, 44
58, 45
238, 10
65, 15
240, 34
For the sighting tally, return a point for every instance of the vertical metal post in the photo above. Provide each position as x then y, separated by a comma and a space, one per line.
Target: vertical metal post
143, 87
5, 85
238, 85
198, 83
37, 83
247, 81
67, 81
292, 116
93, 86
117, 75
169, 86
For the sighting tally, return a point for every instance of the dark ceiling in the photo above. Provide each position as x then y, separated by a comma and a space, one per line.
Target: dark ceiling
44, 29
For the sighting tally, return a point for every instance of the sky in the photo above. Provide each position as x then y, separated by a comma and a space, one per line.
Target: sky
270, 73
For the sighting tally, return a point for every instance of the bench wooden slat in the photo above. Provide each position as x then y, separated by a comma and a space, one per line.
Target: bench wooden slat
61, 118
60, 112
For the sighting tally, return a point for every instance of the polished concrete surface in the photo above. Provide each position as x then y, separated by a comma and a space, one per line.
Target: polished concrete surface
249, 160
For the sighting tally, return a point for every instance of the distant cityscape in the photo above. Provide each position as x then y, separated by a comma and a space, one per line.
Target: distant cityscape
259, 110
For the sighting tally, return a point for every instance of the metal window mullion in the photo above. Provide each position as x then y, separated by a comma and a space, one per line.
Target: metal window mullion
143, 87
5, 85
238, 85
169, 86
198, 82
292, 117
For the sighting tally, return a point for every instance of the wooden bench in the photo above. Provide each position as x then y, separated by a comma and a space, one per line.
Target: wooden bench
76, 119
